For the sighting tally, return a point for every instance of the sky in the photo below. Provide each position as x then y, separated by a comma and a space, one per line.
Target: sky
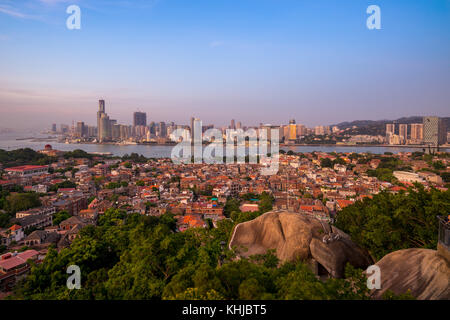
256, 61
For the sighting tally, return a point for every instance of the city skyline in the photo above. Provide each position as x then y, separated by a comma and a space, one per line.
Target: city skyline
313, 61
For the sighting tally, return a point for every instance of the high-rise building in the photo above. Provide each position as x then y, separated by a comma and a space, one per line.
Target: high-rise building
416, 132
105, 128
162, 129
403, 132
100, 112
390, 131
81, 129
139, 119
197, 131
54, 127
239, 125
292, 130
319, 130
301, 130
64, 128
434, 131
232, 125
101, 106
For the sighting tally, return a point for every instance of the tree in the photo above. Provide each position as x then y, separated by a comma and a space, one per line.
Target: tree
22, 201
230, 206
60, 216
390, 222
326, 163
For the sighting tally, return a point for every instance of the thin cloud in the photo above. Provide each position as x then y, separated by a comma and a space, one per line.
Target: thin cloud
12, 12
216, 44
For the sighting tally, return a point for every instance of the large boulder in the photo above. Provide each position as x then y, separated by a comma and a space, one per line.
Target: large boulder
297, 236
422, 271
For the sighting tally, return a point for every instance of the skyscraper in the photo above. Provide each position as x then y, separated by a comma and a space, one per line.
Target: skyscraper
416, 132
100, 112
80, 130
434, 131
403, 132
139, 119
390, 131
162, 129
233, 125
105, 128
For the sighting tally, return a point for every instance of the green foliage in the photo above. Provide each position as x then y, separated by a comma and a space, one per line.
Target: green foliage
141, 257
78, 154
389, 295
134, 157
60, 216
21, 201
266, 201
62, 185
113, 185
128, 165
326, 163
439, 165
382, 174
22, 157
390, 222
140, 183
230, 206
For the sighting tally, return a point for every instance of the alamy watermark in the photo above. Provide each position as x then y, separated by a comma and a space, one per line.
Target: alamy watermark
374, 20
74, 280
373, 277
262, 144
74, 20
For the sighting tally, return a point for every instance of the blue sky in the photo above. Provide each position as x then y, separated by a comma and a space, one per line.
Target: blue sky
252, 60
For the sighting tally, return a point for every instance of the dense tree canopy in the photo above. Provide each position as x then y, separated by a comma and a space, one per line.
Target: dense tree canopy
23, 156
139, 257
390, 222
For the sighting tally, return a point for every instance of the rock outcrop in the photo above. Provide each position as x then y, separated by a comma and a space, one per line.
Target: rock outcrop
296, 236
422, 271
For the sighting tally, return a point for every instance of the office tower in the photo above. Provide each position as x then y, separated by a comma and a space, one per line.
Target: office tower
64, 128
54, 127
139, 119
192, 126
390, 131
101, 106
292, 130
269, 128
115, 131
390, 128
284, 133
105, 128
162, 129
403, 132
434, 131
233, 125
417, 132
239, 125
301, 130
100, 112
319, 130
91, 131
80, 130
